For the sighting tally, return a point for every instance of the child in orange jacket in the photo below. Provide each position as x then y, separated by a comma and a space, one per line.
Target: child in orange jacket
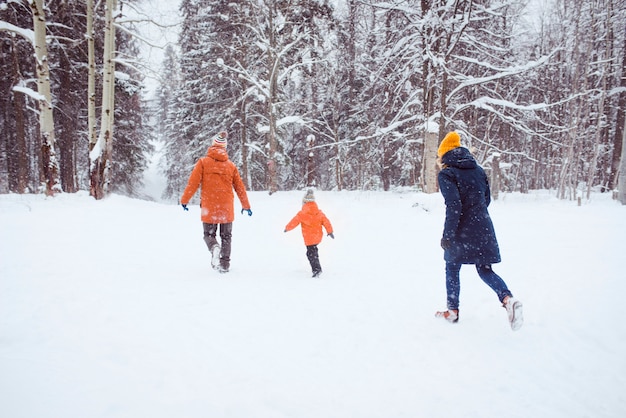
311, 218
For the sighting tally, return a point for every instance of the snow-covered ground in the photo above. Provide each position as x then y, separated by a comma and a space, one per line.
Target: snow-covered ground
110, 309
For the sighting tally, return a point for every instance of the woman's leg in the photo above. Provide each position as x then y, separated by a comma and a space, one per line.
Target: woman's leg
453, 285
494, 281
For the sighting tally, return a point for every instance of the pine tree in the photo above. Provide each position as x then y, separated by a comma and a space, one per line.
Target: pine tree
132, 139
16, 142
175, 172
70, 78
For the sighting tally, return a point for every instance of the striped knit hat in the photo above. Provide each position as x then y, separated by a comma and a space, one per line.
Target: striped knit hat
451, 141
219, 140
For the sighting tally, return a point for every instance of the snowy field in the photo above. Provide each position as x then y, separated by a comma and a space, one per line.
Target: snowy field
110, 309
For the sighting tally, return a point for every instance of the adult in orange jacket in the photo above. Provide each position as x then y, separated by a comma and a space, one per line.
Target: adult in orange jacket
311, 218
217, 176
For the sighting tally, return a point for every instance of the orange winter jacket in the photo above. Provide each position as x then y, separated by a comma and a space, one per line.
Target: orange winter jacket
218, 177
312, 219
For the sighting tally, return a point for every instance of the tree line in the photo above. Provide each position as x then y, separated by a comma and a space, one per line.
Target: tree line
339, 95
358, 97
63, 64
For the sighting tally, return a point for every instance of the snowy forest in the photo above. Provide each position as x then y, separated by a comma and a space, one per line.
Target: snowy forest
340, 95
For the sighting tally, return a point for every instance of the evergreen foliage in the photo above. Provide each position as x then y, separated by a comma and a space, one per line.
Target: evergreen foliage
335, 95
355, 89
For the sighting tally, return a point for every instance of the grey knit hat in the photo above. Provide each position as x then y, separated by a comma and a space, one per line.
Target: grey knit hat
309, 196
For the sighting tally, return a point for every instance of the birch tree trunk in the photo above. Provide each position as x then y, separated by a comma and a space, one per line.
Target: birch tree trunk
100, 153
91, 82
50, 165
429, 165
495, 176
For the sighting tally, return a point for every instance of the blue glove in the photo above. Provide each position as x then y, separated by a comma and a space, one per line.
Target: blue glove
331, 235
185, 207
246, 210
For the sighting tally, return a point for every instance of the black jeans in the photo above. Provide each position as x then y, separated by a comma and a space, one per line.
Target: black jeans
226, 233
486, 273
314, 259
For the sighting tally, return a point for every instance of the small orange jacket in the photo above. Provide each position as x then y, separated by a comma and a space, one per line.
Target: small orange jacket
312, 219
218, 177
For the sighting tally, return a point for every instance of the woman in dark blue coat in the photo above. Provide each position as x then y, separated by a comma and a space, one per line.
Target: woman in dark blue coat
468, 233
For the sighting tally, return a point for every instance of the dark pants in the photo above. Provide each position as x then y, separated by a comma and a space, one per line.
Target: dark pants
314, 259
453, 282
226, 233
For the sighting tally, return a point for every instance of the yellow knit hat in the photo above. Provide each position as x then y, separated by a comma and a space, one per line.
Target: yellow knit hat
451, 141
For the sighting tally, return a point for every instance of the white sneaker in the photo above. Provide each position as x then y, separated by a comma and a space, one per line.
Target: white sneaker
215, 256
514, 311
451, 315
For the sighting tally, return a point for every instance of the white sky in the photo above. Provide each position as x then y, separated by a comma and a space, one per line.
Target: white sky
157, 33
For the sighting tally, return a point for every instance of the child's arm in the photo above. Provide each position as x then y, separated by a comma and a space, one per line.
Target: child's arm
293, 223
327, 225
